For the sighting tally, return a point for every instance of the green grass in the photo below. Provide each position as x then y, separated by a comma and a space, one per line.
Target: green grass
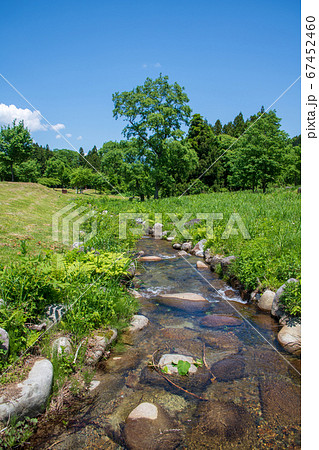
26, 215
273, 221
36, 272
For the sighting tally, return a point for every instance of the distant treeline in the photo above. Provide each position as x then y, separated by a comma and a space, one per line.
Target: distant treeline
242, 154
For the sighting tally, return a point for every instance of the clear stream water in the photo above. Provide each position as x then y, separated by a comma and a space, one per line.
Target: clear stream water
256, 373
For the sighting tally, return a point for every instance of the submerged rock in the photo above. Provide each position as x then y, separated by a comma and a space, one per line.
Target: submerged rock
227, 421
182, 253
229, 293
138, 322
220, 340
150, 427
170, 361
220, 320
280, 402
28, 398
230, 369
187, 301
193, 382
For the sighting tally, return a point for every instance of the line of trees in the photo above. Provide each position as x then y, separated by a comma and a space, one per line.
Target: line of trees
158, 158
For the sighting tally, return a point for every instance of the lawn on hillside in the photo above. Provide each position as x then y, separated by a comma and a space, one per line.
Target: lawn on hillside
26, 211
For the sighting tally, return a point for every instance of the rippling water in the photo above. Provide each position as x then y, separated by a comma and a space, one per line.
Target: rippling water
257, 382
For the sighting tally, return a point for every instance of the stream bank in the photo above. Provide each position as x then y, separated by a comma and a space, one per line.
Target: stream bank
253, 403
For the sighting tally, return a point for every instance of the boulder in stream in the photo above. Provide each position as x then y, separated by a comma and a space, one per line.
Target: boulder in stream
290, 338
150, 427
150, 258
177, 246
198, 249
266, 300
138, 322
168, 363
187, 301
186, 246
182, 253
201, 265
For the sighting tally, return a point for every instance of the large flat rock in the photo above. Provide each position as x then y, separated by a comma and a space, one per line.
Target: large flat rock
186, 301
150, 258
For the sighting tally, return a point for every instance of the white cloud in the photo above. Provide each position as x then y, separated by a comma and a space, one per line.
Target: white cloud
58, 127
68, 135
79, 138
31, 119
144, 66
157, 64
58, 136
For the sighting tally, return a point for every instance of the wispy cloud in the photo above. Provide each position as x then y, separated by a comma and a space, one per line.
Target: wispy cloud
32, 119
68, 135
79, 138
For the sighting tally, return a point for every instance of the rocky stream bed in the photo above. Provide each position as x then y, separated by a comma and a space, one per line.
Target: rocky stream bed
246, 394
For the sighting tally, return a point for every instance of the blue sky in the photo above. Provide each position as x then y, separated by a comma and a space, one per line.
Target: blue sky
68, 58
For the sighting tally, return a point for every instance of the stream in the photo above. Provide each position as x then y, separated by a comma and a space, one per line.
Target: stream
254, 401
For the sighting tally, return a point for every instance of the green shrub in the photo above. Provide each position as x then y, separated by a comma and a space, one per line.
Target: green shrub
291, 299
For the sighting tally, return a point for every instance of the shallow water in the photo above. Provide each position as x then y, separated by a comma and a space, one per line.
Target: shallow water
256, 376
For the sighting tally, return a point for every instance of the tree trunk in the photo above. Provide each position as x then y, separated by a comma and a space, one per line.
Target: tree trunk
264, 187
12, 174
156, 190
142, 197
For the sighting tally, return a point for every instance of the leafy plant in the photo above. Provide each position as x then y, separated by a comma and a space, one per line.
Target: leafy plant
18, 432
290, 299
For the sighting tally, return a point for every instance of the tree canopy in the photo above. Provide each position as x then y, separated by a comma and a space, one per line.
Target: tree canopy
154, 112
15, 144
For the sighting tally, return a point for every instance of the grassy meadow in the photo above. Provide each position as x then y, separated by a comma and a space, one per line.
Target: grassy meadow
272, 253
42, 272
26, 211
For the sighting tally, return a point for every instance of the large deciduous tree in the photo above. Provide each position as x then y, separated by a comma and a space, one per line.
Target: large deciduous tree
15, 144
257, 157
154, 113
